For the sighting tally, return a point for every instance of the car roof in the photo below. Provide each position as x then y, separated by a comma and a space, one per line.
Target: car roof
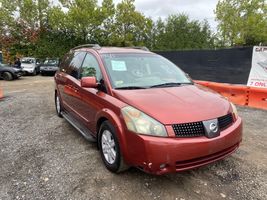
28, 58
106, 50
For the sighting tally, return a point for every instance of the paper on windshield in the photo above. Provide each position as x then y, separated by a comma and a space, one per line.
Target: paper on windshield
118, 65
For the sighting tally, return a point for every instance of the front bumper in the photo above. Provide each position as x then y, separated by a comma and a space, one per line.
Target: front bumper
18, 74
28, 70
48, 69
166, 155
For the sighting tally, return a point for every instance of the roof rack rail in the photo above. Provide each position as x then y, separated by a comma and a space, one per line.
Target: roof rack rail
138, 47
94, 46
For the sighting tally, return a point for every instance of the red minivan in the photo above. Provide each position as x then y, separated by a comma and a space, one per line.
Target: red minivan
144, 111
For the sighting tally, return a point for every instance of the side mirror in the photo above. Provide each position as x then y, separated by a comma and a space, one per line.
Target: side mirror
89, 82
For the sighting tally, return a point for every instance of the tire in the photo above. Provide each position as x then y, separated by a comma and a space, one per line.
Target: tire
58, 105
109, 144
34, 73
7, 76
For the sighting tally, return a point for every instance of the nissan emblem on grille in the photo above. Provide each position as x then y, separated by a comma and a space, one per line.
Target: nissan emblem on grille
211, 128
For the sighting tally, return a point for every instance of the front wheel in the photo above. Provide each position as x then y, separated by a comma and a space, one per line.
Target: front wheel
7, 76
110, 148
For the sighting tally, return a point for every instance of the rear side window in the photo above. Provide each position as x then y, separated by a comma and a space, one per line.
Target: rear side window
72, 62
64, 64
90, 67
75, 64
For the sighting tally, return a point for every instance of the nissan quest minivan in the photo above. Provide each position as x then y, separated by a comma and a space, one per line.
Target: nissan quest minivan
143, 111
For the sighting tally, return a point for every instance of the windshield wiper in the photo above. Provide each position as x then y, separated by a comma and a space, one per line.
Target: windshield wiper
170, 84
130, 88
166, 85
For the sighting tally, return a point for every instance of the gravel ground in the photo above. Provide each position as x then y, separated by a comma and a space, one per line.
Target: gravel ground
43, 157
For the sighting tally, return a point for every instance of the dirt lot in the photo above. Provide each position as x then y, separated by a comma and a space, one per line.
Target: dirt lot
43, 157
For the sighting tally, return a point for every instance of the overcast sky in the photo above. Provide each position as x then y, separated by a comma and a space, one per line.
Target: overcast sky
196, 9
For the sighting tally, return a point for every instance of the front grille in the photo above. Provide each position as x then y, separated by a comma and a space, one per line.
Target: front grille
195, 129
225, 121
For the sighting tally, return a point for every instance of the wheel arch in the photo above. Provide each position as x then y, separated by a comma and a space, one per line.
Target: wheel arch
8, 71
57, 90
113, 118
99, 123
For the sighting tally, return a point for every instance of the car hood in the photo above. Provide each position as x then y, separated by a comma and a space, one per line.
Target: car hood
11, 69
184, 104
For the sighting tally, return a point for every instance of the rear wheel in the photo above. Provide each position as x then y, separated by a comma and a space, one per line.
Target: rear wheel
58, 105
110, 148
7, 76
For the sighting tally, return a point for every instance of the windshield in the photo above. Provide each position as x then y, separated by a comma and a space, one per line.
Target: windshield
51, 61
143, 71
27, 60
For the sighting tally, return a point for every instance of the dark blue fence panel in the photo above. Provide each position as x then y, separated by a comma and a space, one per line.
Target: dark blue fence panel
223, 65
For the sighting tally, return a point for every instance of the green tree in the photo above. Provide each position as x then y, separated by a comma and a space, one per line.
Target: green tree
43, 8
55, 44
131, 27
242, 22
41, 28
178, 32
82, 18
21, 24
57, 20
106, 16
7, 20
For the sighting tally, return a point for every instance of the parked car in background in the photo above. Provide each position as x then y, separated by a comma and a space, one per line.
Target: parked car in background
50, 66
9, 73
143, 110
30, 65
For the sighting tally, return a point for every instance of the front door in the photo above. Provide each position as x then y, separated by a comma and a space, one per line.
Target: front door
91, 97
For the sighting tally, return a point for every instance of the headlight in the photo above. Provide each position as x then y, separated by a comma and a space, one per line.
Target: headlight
141, 123
234, 110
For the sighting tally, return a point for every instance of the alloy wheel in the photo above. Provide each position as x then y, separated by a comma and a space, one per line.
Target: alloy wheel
108, 147
58, 105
